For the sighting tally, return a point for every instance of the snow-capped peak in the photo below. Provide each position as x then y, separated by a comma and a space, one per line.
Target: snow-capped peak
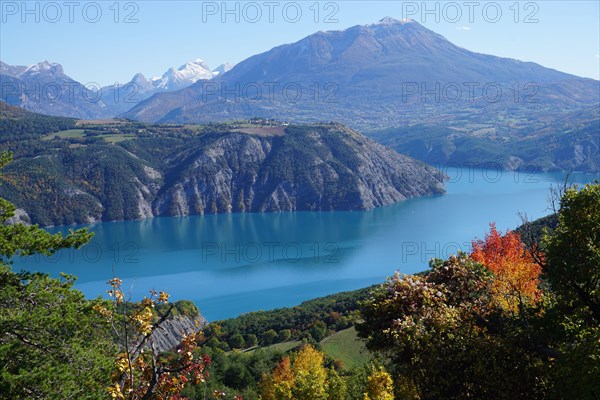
185, 75
43, 66
221, 69
393, 21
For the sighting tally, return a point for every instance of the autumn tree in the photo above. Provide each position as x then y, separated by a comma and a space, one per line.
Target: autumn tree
310, 376
306, 378
516, 273
446, 336
379, 385
141, 372
278, 385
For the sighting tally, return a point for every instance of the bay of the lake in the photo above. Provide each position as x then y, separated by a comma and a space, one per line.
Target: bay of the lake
230, 264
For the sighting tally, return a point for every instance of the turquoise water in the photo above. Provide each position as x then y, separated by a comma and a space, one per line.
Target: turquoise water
231, 264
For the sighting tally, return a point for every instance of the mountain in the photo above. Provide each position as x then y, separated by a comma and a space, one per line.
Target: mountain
125, 96
46, 89
11, 70
369, 77
184, 76
565, 141
66, 171
221, 69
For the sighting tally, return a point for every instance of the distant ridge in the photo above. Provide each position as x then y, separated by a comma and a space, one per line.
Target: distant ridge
369, 76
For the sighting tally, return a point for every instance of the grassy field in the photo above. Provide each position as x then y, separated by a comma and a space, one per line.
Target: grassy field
262, 131
118, 137
283, 347
347, 347
343, 345
68, 134
78, 133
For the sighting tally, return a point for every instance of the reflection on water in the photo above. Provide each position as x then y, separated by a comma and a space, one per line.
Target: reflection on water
230, 264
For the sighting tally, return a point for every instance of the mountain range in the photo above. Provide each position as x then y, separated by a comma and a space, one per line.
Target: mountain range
371, 76
45, 88
396, 81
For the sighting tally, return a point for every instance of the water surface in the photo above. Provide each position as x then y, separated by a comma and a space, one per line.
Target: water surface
231, 264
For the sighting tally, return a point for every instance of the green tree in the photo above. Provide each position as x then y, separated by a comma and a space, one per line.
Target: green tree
573, 251
336, 386
52, 343
572, 268
284, 335
236, 341
268, 337
318, 331
251, 340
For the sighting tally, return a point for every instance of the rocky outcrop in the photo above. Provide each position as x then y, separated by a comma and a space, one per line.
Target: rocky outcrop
19, 217
314, 167
173, 329
225, 168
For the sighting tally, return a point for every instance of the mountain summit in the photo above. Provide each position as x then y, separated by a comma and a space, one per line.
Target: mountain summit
367, 75
183, 76
44, 87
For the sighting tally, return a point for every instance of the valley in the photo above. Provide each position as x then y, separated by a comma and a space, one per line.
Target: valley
357, 209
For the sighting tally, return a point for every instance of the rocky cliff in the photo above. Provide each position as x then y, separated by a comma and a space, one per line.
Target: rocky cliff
314, 167
172, 331
123, 171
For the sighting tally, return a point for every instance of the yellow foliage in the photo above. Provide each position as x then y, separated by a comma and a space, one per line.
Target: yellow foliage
379, 385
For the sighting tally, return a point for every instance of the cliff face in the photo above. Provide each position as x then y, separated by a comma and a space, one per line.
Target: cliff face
306, 168
173, 171
173, 330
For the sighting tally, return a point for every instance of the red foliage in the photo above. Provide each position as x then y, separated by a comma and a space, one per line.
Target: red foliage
516, 272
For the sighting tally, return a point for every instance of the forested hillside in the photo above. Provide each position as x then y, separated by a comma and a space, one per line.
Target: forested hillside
66, 171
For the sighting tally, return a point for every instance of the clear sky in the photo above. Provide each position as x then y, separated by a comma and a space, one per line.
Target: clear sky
108, 41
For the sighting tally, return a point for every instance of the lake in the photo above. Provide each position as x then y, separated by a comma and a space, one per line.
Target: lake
230, 264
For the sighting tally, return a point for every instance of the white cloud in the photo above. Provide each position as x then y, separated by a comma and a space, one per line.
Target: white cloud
463, 28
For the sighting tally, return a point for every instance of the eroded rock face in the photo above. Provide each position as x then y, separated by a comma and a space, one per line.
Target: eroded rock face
318, 167
20, 217
326, 167
173, 329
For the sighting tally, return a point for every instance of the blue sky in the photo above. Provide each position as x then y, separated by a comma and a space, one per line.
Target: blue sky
108, 41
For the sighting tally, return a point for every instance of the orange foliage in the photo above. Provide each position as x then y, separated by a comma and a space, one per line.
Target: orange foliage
516, 272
